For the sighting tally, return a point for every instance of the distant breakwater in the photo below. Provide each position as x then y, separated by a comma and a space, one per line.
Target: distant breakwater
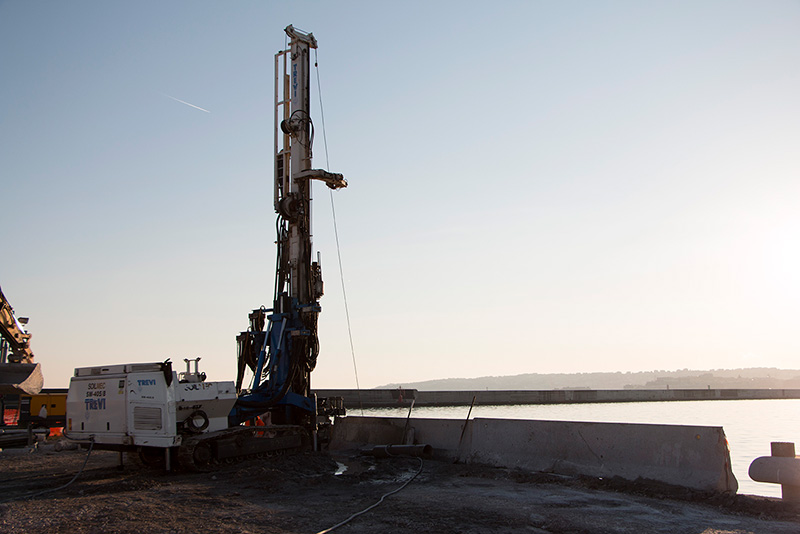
387, 398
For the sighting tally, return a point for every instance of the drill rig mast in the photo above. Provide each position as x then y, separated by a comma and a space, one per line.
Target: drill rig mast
282, 355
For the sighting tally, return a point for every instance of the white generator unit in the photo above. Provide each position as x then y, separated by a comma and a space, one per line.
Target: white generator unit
130, 406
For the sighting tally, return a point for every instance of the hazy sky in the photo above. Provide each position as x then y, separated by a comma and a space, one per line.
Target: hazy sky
534, 186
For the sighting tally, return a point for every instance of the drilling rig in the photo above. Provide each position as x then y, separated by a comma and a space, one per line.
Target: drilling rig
164, 415
283, 356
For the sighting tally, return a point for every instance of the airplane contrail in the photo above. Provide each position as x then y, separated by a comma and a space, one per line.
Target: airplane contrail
187, 103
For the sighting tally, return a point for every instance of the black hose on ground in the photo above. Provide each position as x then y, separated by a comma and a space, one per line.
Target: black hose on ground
365, 510
51, 490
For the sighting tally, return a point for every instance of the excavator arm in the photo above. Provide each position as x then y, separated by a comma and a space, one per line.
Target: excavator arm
18, 372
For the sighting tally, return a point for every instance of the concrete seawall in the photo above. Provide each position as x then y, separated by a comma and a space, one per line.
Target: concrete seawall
695, 457
386, 398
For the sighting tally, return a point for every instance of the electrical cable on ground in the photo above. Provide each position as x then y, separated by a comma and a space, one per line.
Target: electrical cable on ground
336, 235
51, 490
365, 510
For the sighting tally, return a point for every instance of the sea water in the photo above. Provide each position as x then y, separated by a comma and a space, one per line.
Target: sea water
750, 425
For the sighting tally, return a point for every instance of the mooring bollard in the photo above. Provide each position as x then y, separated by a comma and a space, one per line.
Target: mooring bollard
785, 449
783, 468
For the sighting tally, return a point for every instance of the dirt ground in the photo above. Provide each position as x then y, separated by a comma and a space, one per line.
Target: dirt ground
303, 493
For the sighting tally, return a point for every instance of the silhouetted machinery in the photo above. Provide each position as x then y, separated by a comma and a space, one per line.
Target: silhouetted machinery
148, 407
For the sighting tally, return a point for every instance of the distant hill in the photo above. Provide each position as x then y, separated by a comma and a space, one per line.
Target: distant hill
750, 378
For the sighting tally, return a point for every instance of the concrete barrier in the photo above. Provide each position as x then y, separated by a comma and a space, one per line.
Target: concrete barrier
690, 456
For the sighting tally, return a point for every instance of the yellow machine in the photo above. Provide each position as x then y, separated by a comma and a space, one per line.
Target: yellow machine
54, 402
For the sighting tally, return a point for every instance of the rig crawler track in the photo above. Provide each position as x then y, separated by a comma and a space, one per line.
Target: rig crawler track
201, 452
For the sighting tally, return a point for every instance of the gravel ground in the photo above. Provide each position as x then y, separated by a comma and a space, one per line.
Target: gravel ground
303, 493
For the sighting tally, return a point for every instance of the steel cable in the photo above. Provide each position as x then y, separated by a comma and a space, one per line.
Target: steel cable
336, 235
